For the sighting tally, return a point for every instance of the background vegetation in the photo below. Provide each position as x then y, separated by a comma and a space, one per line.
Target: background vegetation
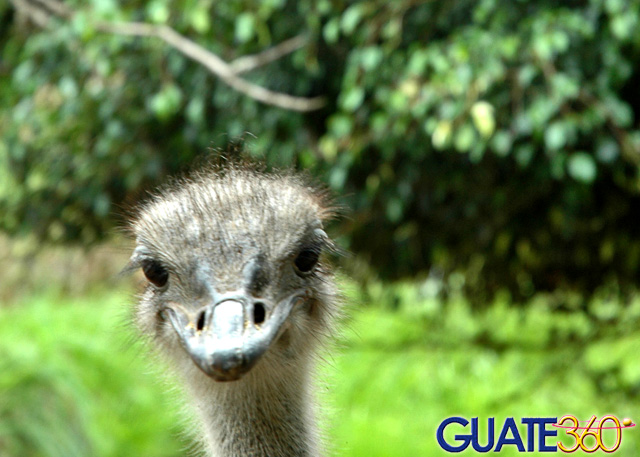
488, 152
496, 138
72, 384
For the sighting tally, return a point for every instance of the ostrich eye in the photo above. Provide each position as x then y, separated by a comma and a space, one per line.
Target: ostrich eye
306, 260
155, 272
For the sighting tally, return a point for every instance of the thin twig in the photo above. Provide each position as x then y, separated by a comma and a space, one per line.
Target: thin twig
58, 8
247, 63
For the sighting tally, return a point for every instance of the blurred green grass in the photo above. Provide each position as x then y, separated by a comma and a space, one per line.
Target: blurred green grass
74, 381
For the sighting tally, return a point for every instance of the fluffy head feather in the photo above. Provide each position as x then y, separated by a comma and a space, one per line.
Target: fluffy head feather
237, 230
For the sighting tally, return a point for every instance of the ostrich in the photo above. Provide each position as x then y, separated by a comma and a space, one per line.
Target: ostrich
238, 297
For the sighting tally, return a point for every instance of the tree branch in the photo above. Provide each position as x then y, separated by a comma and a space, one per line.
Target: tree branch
40, 12
37, 15
56, 7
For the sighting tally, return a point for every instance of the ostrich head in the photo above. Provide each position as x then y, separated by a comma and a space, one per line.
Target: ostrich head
233, 261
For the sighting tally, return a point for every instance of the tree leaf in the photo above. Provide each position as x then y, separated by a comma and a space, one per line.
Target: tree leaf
555, 136
483, 118
582, 167
245, 27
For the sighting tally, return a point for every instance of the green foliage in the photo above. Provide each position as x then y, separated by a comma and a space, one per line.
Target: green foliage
67, 387
403, 371
495, 138
72, 384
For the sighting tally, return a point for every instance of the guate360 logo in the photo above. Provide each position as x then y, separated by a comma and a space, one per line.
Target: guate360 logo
588, 436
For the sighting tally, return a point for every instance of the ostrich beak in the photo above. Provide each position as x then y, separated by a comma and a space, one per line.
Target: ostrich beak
227, 338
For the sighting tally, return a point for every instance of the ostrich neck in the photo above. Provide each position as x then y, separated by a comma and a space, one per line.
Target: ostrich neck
266, 413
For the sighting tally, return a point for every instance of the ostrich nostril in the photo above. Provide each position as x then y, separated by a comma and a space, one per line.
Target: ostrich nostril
201, 320
258, 313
